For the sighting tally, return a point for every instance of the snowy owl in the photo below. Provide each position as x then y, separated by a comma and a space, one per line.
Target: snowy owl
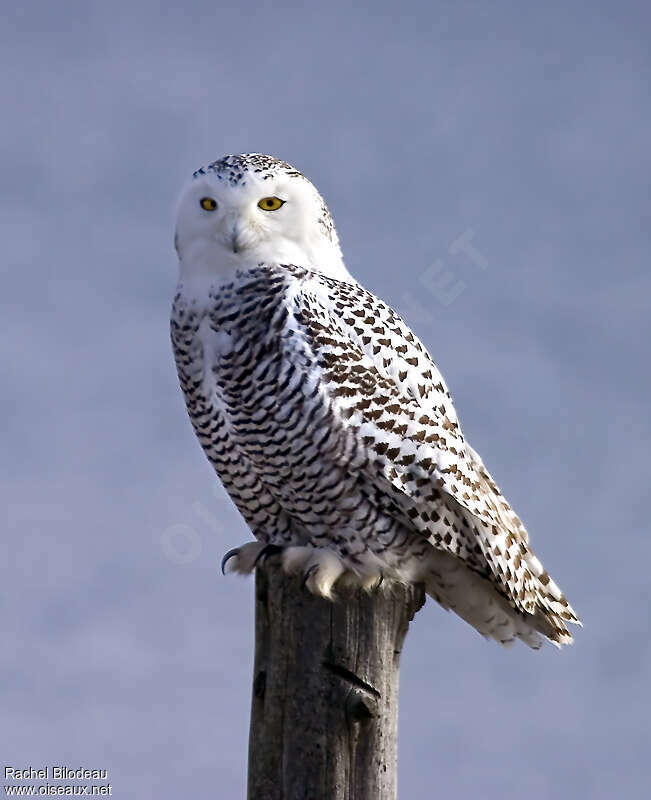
326, 418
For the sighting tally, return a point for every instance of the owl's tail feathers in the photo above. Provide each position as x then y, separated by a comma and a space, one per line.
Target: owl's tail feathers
476, 600
551, 603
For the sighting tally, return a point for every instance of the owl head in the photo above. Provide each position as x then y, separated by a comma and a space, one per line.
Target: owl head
244, 210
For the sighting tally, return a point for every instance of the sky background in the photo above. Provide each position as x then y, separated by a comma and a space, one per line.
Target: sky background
522, 128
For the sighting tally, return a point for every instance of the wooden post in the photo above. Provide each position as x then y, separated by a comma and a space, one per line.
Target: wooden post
324, 715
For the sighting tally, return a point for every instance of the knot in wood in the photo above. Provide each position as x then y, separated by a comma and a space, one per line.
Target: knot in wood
359, 708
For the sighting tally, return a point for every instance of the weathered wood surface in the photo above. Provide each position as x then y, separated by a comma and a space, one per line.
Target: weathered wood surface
324, 716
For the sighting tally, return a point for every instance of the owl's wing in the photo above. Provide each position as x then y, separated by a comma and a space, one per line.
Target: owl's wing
384, 387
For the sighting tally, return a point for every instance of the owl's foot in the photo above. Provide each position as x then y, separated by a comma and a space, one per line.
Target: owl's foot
320, 568
246, 558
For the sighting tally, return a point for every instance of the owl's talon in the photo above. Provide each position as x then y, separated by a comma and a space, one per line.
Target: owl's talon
308, 574
230, 554
244, 558
267, 550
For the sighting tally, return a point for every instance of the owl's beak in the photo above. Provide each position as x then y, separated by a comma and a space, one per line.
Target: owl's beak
239, 234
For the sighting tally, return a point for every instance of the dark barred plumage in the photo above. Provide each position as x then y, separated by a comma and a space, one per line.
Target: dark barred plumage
333, 431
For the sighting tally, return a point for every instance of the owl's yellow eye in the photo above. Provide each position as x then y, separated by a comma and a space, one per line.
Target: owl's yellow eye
271, 203
208, 203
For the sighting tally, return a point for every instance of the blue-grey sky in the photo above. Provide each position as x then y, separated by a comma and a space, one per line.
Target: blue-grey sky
524, 128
